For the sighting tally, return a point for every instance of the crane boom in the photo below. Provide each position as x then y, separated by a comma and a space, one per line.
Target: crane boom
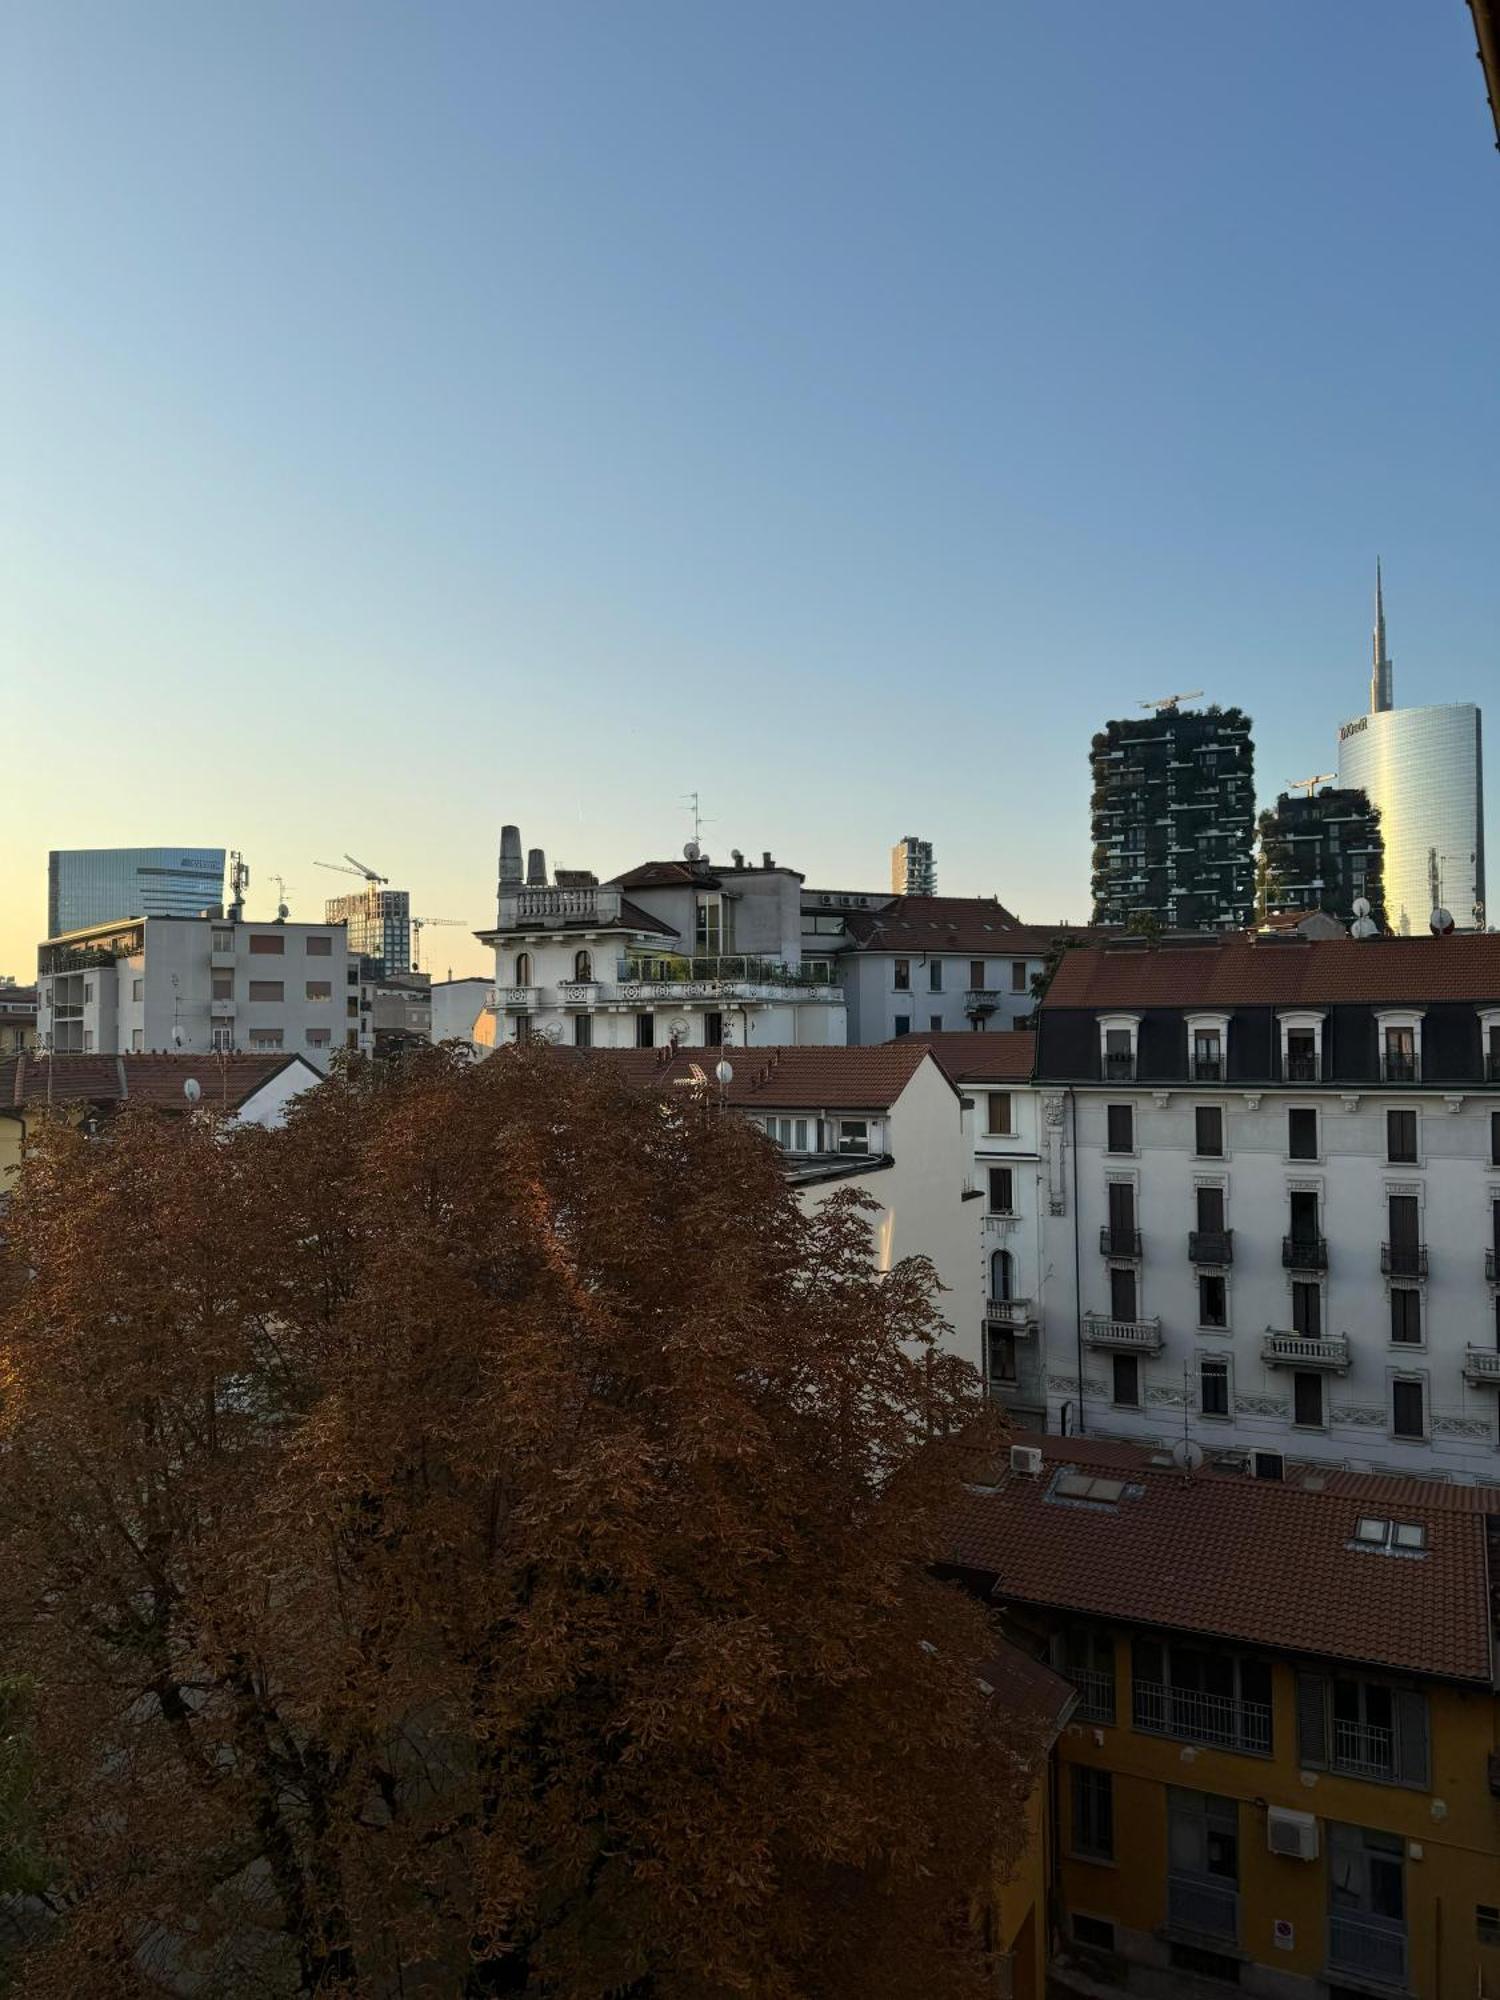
369, 874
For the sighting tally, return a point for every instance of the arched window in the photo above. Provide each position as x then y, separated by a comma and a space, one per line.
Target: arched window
1000, 1274
583, 965
523, 968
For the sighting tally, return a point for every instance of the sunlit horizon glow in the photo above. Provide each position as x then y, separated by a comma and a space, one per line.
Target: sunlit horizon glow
419, 419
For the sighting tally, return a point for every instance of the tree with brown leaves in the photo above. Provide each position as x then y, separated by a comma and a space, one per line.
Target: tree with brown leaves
477, 1541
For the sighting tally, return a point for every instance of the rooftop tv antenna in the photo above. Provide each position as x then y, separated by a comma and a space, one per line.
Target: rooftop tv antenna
239, 882
418, 925
699, 822
282, 909
1164, 704
1307, 786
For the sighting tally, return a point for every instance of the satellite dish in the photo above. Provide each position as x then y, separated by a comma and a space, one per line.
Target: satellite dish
1363, 927
1187, 1455
552, 1032
1361, 906
177, 1036
1440, 923
691, 851
192, 1089
724, 1072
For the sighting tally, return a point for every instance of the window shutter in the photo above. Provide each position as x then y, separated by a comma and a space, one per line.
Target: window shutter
1410, 1710
1312, 1720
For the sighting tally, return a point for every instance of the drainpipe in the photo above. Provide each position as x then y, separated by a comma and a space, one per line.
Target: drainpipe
1077, 1263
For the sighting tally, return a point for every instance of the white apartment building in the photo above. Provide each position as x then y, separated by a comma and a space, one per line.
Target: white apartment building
671, 952
207, 983
1273, 1164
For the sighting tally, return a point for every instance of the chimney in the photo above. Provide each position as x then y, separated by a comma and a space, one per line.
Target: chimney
765, 859
736, 857
510, 856
536, 868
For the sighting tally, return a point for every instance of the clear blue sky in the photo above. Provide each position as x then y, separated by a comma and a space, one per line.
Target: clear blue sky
422, 416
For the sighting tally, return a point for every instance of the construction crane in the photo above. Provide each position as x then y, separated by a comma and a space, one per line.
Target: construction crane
1165, 703
357, 868
1307, 786
419, 924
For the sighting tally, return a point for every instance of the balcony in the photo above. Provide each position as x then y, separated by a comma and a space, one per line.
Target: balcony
1096, 1694
580, 992
221, 1010
1012, 1313
1210, 1246
1404, 1260
1116, 1241
1189, 1717
1363, 1750
1207, 1069
981, 1000
1398, 1068
1122, 1336
1482, 1367
1302, 1069
221, 961
1367, 1947
1211, 1909
1304, 1253
516, 999
737, 980
1001, 1225
1119, 1069
1304, 1350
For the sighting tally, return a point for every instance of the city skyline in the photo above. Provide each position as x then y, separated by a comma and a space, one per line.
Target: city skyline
587, 448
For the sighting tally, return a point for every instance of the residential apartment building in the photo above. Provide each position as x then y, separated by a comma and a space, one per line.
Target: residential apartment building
17, 1017
213, 984
1174, 819
913, 872
888, 1122
1273, 1198
100, 885
377, 922
395, 1007
1280, 1773
670, 952
1322, 851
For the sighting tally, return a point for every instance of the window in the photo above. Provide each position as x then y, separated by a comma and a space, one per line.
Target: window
1087, 1657
1120, 1232
1495, 1138
319, 1038
854, 1135
583, 1031
523, 968
1406, 1313
1122, 1292
222, 985
1000, 1346
935, 975
318, 947
1018, 980
1208, 1055
791, 1134
713, 1030
1002, 1191
523, 1027
1367, 1728
268, 989
1405, 1257
1199, 1694
935, 1023
1408, 1411
976, 975
222, 941
1119, 1053
351, 1006
137, 989
1487, 1923
320, 989
1210, 1206
903, 1024
1307, 1400
1213, 1385
902, 975
1399, 1055
1208, 1131
265, 1038
645, 1031
268, 944
1093, 1813
1213, 1300
1307, 1308
221, 1040
1127, 1381
137, 1039
1301, 1133
1401, 1137
708, 937
1300, 1055
1119, 1128
999, 1124
1002, 1275
583, 965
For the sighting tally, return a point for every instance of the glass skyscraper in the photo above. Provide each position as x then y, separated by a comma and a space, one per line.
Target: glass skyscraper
1423, 768
95, 885
379, 925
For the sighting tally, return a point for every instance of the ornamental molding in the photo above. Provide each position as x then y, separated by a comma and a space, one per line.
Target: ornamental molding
1455, 1103
1403, 1187
1363, 1416
1260, 1406
1161, 1099
1052, 1107
1162, 1397
1304, 1187
1210, 1180
1252, 1100
1350, 1100
1461, 1427
1062, 1385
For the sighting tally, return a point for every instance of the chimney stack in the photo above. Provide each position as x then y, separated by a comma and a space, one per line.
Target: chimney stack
510, 857
536, 868
765, 859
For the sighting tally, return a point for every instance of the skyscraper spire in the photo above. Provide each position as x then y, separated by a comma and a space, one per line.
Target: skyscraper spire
1382, 680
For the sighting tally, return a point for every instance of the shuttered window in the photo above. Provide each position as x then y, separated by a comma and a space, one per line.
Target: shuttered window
1365, 1729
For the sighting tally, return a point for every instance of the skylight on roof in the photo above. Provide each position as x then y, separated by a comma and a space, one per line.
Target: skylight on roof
1389, 1537
1082, 1486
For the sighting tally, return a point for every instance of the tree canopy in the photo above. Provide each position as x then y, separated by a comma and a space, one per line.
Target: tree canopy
477, 1540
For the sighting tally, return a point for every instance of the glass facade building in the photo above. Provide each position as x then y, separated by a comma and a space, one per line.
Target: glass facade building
379, 926
96, 885
1422, 768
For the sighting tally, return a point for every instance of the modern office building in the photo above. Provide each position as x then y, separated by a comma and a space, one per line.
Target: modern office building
378, 922
1321, 851
1174, 819
100, 885
1423, 770
913, 872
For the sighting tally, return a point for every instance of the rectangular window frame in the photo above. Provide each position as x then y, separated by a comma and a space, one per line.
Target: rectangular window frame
1091, 1820
1214, 1113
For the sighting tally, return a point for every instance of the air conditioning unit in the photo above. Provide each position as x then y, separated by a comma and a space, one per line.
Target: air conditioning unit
1025, 1458
1267, 1465
1231, 1461
1294, 1834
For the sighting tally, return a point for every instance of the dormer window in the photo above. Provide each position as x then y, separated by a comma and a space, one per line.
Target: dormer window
1302, 1048
1400, 1046
1118, 1039
1489, 1041
1208, 1037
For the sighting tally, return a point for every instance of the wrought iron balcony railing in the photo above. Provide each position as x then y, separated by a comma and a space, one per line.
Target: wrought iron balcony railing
1304, 1253
1404, 1260
1211, 1246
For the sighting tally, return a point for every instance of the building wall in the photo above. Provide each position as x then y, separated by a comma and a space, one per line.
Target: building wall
1451, 1830
1423, 768
1019, 1234
877, 1005
1454, 1181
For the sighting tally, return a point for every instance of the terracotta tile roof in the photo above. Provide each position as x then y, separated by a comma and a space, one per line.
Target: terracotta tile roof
793, 1078
1248, 972
1002, 1055
154, 1080
631, 918
1029, 1687
1239, 1558
674, 874
979, 925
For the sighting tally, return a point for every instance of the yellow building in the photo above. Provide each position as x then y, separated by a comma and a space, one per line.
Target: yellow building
1018, 1920
1282, 1772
